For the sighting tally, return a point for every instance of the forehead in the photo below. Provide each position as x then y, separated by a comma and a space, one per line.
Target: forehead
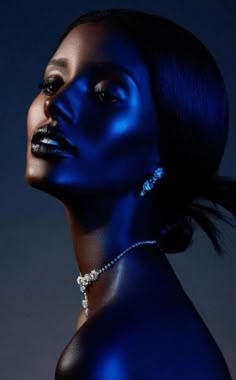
96, 43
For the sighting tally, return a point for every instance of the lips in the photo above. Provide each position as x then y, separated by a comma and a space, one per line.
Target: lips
51, 137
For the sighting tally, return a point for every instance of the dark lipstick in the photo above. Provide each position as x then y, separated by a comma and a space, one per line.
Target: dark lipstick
48, 141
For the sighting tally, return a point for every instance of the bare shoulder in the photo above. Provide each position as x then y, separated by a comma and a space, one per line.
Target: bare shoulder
175, 344
117, 345
97, 351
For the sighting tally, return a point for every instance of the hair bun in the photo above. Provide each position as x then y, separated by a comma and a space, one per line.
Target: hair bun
176, 236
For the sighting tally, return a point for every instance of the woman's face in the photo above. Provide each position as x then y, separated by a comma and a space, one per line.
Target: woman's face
96, 94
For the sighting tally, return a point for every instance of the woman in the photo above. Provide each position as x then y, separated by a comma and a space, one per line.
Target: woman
128, 133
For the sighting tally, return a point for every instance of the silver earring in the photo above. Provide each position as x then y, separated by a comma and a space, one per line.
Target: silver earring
150, 183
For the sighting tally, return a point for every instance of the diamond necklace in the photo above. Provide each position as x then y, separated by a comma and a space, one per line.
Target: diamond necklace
89, 278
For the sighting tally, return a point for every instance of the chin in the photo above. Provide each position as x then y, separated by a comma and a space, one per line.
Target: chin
37, 175
33, 179
35, 170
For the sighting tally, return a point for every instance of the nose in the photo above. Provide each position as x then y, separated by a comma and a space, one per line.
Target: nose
57, 108
47, 113
46, 108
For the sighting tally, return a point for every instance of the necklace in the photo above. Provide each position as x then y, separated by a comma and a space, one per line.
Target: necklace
89, 278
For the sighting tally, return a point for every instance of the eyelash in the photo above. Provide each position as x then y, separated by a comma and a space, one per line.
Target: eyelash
46, 86
108, 96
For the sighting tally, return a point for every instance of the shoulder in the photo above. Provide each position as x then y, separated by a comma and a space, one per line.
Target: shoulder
171, 345
175, 344
97, 362
97, 351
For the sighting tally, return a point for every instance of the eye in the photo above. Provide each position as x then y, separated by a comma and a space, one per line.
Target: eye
105, 92
51, 85
105, 96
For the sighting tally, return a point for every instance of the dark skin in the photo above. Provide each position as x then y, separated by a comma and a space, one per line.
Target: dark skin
117, 141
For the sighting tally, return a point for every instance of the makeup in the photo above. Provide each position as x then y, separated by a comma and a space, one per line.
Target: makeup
48, 142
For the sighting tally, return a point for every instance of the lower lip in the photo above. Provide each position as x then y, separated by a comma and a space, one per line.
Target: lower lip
48, 151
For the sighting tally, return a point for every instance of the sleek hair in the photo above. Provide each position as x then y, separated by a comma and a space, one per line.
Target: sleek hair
192, 110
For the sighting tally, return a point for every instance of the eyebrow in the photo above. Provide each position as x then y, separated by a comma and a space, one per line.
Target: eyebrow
101, 66
62, 62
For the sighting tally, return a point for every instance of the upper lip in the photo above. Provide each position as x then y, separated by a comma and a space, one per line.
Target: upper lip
53, 132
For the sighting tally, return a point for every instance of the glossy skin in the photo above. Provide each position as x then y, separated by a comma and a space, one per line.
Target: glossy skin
114, 135
139, 302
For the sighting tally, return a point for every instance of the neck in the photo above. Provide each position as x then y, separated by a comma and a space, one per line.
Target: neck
128, 221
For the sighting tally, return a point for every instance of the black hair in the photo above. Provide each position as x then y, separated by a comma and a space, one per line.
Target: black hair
192, 110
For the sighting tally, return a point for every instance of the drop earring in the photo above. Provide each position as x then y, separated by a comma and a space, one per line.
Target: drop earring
150, 183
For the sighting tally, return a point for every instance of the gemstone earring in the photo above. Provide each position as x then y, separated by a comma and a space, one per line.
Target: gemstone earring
150, 183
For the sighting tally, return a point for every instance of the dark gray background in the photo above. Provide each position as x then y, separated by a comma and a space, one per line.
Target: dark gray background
40, 297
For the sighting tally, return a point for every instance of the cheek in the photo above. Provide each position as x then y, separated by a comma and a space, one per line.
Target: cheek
126, 150
130, 134
121, 136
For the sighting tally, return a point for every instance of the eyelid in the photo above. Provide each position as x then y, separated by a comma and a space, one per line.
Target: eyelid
116, 91
53, 73
109, 85
109, 79
49, 86
116, 84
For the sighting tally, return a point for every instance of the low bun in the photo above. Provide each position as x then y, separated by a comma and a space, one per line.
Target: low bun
175, 236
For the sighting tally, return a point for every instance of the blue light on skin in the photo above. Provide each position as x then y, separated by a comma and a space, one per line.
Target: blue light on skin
111, 366
108, 136
117, 146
